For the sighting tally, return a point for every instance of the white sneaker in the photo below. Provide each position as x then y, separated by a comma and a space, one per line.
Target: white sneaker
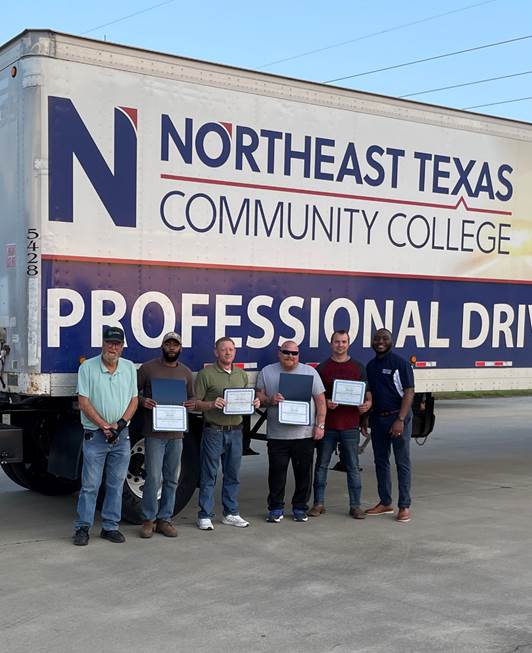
205, 524
235, 520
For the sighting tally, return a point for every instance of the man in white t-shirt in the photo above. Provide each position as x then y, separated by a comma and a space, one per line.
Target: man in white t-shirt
290, 442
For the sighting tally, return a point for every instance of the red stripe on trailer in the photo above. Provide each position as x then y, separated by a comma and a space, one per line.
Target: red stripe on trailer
425, 363
493, 363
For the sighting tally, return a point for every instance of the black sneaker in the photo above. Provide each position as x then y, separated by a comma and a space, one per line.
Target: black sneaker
113, 536
81, 536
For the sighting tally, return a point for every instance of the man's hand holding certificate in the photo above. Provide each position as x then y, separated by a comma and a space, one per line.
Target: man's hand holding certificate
169, 404
239, 401
348, 393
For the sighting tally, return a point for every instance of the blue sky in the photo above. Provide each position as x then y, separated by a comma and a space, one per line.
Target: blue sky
379, 34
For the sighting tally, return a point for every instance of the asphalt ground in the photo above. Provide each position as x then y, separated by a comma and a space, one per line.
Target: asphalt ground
458, 577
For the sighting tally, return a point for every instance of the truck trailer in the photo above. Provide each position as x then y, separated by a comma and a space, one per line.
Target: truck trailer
159, 193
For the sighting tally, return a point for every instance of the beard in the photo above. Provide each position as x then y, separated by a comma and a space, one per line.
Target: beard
171, 357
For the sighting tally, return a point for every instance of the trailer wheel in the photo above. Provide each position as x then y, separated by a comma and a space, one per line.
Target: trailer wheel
134, 484
10, 473
33, 476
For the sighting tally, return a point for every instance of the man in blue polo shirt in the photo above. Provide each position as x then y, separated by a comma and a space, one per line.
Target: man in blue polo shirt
107, 393
391, 381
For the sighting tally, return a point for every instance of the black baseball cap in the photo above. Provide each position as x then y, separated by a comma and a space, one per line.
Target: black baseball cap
111, 333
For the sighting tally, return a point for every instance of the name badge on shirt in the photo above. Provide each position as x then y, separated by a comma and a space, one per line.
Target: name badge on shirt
385, 371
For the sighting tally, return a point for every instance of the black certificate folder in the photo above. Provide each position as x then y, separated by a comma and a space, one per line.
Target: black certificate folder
169, 392
296, 387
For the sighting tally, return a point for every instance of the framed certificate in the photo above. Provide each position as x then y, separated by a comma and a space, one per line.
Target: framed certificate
348, 393
239, 401
294, 412
169, 418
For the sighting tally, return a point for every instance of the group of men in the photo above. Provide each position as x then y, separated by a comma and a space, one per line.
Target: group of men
110, 390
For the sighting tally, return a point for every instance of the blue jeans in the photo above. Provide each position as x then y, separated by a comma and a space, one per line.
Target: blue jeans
382, 443
348, 440
227, 445
162, 456
98, 455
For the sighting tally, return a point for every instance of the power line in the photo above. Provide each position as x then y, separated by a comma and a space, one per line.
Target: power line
492, 104
439, 56
136, 13
379, 33
478, 81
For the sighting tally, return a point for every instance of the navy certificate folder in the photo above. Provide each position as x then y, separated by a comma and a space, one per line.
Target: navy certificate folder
296, 387
169, 392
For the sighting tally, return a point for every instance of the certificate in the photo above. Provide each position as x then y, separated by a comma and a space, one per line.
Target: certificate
348, 393
239, 401
169, 418
294, 412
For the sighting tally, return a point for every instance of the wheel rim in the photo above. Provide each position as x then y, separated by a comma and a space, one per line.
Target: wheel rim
136, 473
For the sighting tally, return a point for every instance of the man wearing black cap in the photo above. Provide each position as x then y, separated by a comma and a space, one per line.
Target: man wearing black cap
107, 393
162, 449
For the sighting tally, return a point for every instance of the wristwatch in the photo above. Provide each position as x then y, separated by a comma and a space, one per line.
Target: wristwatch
321, 426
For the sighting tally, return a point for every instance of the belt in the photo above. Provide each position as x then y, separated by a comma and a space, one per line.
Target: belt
219, 427
387, 413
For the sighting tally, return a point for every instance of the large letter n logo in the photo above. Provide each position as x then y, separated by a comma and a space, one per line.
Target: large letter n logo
68, 137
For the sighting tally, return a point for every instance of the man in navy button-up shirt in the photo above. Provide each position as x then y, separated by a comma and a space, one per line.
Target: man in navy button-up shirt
391, 381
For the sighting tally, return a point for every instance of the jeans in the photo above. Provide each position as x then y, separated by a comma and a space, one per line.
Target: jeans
348, 441
382, 443
162, 456
227, 445
280, 453
98, 455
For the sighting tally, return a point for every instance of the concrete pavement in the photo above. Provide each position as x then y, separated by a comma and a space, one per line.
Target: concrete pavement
457, 578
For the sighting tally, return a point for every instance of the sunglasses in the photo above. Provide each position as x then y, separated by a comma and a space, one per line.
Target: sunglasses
287, 352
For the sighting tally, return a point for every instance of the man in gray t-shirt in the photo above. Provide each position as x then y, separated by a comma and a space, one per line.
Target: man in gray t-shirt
290, 442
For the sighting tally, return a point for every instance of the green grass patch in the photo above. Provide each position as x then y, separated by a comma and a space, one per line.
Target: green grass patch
482, 394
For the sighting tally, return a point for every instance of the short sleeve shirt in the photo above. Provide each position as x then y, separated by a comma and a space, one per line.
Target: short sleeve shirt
341, 418
268, 381
109, 393
388, 377
211, 382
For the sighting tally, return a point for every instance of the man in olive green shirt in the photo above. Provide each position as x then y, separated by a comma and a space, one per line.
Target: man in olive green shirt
222, 436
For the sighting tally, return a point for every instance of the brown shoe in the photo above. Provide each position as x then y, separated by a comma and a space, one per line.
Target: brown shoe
403, 515
379, 509
356, 512
147, 529
316, 510
166, 528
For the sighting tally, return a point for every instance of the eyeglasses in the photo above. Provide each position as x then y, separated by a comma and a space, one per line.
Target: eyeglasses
287, 352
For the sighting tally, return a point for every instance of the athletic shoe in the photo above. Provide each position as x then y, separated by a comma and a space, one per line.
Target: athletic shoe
205, 524
235, 520
300, 515
275, 516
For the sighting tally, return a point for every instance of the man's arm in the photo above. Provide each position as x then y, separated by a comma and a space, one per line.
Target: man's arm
92, 414
321, 412
406, 403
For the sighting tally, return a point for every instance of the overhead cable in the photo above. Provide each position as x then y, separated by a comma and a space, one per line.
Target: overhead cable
478, 81
492, 104
438, 56
372, 34
136, 13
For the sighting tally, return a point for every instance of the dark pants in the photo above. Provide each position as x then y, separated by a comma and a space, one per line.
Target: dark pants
280, 453
382, 443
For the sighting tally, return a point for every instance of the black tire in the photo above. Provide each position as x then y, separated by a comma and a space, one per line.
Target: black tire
33, 472
188, 475
32, 476
10, 473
